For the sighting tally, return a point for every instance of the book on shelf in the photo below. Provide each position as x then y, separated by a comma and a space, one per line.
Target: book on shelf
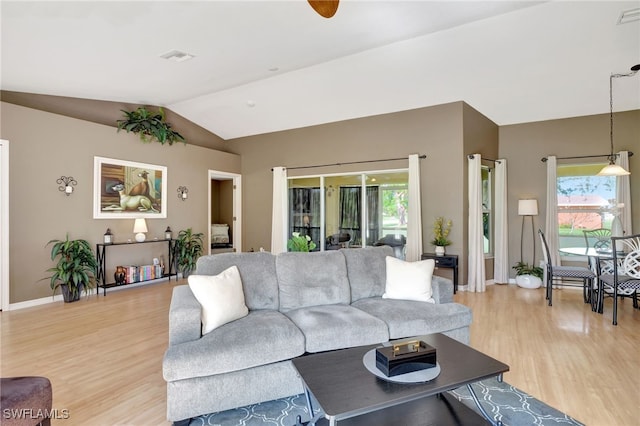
132, 275
139, 273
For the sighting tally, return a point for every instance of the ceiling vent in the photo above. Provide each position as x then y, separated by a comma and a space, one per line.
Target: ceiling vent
630, 15
177, 56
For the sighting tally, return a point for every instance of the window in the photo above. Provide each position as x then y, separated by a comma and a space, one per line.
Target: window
487, 209
583, 201
395, 202
356, 210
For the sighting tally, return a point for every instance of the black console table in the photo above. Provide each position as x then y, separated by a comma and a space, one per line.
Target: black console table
101, 256
446, 261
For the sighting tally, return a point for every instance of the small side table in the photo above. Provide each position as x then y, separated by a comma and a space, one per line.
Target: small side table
449, 261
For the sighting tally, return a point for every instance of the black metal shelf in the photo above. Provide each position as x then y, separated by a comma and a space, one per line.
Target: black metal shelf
101, 256
114, 284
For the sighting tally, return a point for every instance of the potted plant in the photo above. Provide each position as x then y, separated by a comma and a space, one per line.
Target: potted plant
188, 249
441, 229
75, 269
299, 242
149, 126
528, 276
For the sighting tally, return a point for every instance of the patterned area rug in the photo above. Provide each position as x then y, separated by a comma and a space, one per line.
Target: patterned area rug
500, 400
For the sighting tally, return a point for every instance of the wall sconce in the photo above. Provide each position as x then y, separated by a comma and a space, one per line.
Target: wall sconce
183, 193
67, 181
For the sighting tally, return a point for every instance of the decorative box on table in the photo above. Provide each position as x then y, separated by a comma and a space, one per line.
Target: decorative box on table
405, 357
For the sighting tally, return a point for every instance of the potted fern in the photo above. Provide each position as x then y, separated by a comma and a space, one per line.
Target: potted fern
75, 267
188, 249
149, 126
528, 276
299, 242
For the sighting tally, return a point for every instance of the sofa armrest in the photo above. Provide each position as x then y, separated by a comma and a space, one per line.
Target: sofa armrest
442, 289
184, 316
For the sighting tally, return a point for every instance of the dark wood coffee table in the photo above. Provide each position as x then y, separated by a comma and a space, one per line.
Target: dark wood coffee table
346, 390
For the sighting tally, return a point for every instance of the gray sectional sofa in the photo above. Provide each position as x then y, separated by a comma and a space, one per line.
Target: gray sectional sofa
298, 303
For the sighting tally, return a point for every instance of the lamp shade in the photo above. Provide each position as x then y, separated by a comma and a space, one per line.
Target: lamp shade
139, 228
140, 225
528, 207
613, 170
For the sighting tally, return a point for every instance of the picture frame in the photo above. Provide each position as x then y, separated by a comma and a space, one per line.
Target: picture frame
128, 190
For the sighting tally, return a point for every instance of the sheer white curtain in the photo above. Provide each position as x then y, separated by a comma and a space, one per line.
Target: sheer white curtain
501, 234
623, 192
476, 273
551, 221
279, 211
414, 219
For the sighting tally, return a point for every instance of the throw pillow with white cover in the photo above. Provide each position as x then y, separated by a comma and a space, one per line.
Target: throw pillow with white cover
409, 280
221, 297
220, 233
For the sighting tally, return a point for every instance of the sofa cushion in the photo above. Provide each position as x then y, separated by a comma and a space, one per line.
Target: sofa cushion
409, 280
332, 327
220, 296
311, 279
366, 269
407, 318
257, 271
262, 337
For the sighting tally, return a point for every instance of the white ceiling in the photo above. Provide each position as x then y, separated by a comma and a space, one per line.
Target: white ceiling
514, 61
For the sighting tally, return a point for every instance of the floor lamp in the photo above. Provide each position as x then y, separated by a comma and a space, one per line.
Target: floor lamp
528, 208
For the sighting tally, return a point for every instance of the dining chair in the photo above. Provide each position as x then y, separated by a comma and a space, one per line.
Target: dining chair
600, 240
625, 279
586, 275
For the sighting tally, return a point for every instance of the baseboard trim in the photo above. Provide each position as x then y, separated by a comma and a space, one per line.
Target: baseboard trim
34, 302
59, 298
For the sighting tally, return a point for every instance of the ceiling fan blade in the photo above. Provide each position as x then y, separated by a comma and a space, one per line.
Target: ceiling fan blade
326, 8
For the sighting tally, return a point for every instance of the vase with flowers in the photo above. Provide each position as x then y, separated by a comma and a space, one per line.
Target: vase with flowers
441, 230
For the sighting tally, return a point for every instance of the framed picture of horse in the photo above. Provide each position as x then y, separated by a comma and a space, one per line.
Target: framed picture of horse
128, 190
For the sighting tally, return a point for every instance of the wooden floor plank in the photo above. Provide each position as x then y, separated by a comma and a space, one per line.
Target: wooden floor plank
104, 354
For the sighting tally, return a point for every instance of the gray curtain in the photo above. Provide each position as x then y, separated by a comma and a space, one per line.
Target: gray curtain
351, 213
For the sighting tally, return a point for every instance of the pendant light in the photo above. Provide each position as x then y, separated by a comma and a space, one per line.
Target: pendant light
612, 169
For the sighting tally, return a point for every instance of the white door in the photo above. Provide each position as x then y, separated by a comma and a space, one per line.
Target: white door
4, 224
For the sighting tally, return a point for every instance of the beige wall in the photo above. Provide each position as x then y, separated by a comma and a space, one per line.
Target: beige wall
524, 145
434, 131
480, 136
45, 146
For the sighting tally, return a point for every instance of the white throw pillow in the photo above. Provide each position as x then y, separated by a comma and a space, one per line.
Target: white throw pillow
221, 297
409, 280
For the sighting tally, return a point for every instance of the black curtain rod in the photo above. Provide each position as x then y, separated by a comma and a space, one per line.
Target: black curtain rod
482, 158
544, 159
351, 162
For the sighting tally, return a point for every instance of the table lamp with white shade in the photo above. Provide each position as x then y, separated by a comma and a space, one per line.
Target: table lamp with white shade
139, 228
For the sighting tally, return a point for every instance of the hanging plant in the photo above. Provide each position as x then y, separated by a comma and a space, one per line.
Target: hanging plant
149, 126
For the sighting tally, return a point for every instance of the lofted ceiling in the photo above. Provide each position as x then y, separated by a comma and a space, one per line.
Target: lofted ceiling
265, 66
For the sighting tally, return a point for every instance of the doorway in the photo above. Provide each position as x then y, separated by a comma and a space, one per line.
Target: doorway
4, 225
225, 212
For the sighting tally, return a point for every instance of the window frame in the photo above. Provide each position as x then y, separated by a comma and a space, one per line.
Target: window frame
563, 171
363, 175
489, 210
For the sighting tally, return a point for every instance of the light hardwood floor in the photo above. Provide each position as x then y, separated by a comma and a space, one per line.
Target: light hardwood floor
103, 355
